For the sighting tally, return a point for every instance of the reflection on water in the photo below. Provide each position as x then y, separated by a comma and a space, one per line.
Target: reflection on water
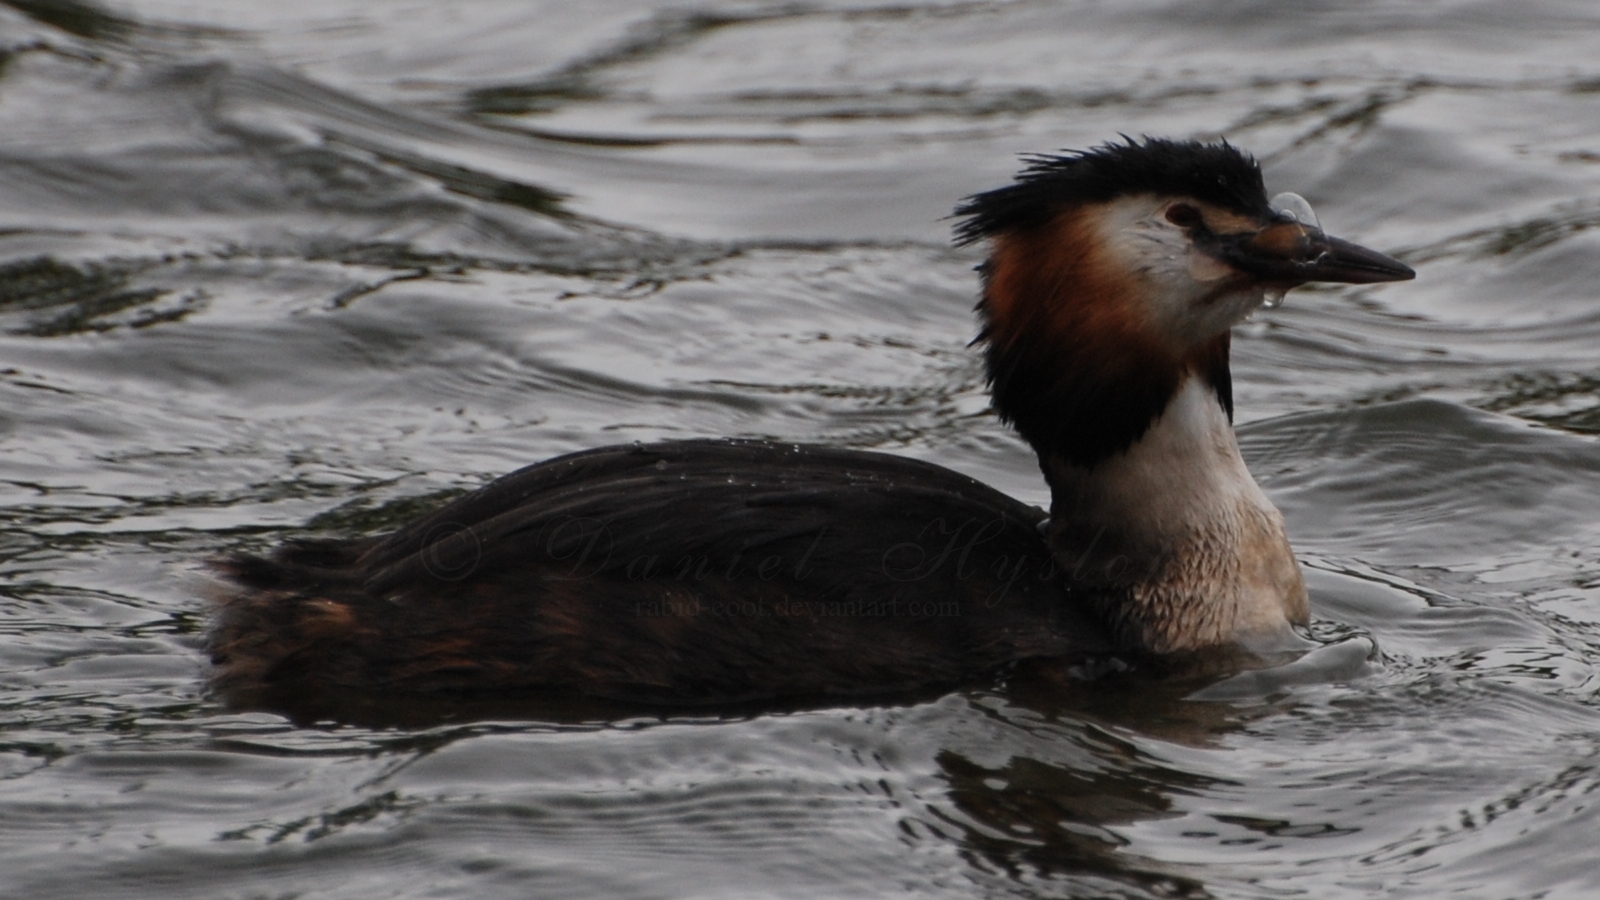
310, 269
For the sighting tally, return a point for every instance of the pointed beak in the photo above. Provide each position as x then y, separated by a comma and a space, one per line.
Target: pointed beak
1289, 252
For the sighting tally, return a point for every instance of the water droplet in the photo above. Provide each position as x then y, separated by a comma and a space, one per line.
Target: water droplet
1295, 207
1272, 298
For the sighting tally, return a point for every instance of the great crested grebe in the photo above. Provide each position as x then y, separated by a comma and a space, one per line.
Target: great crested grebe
720, 570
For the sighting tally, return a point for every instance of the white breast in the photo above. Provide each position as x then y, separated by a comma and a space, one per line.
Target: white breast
1176, 536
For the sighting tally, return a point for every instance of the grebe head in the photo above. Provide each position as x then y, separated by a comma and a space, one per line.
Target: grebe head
1113, 279
1117, 272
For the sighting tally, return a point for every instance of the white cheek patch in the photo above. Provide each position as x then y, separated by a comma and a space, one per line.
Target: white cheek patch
1207, 268
1188, 294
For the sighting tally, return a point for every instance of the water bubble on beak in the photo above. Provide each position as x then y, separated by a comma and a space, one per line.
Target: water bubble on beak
1272, 298
1295, 207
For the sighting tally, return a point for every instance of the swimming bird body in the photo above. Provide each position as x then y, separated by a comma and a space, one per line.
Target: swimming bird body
717, 570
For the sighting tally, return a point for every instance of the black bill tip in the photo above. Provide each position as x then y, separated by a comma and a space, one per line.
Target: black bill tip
1333, 259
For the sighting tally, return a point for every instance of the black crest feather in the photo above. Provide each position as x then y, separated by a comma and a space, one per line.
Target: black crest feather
1220, 174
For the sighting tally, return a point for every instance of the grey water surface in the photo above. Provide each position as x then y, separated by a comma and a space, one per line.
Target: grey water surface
308, 268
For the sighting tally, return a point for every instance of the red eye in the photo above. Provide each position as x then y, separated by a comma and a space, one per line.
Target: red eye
1183, 215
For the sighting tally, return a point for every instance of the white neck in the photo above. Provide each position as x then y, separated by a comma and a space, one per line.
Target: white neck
1172, 540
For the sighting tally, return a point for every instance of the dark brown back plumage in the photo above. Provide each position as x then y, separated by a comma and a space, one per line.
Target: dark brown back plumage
684, 571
